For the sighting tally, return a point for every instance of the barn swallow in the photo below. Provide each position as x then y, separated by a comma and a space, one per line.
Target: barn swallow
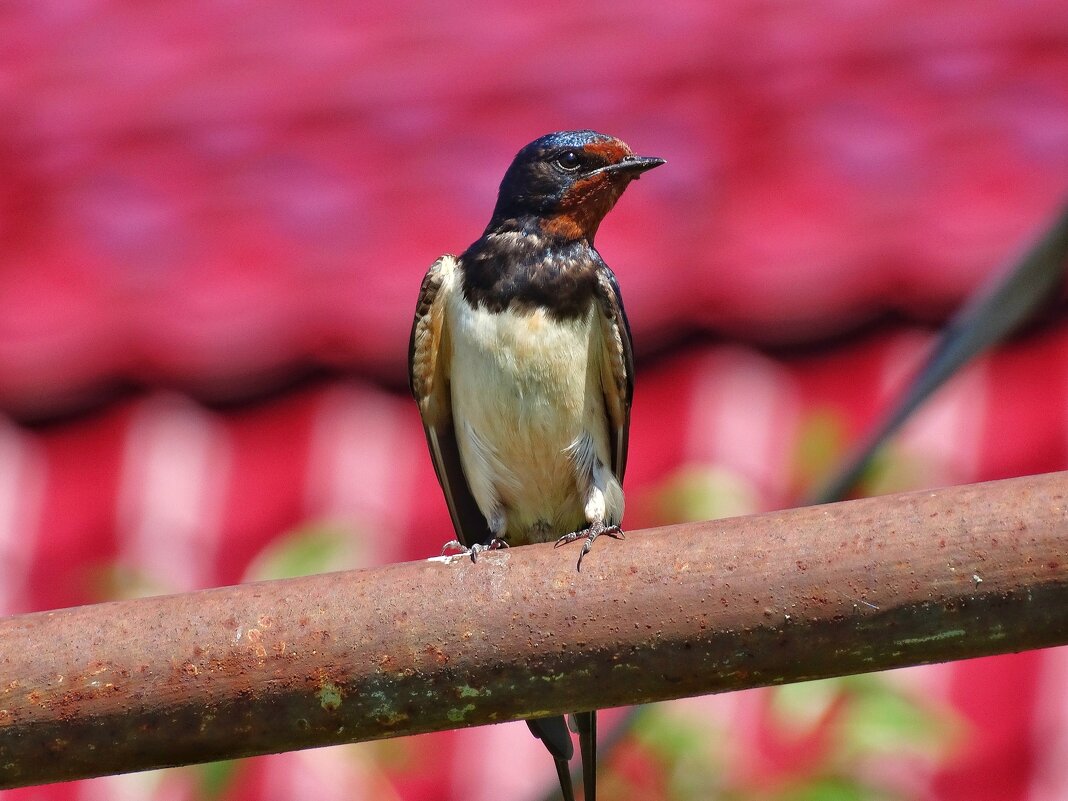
520, 362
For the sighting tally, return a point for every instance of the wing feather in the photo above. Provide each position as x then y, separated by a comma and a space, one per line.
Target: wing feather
617, 366
428, 378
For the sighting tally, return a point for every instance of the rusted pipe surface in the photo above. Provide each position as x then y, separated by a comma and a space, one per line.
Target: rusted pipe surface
417, 647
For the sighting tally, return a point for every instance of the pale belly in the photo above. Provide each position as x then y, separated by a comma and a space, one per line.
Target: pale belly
526, 392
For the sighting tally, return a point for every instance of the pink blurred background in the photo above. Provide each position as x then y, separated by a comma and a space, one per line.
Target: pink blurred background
214, 218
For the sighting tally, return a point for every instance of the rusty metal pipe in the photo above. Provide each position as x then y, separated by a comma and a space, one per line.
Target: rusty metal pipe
416, 647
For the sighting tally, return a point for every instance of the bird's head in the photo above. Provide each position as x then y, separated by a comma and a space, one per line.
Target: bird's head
568, 181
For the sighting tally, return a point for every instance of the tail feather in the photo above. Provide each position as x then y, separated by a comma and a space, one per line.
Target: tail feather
564, 774
586, 725
554, 734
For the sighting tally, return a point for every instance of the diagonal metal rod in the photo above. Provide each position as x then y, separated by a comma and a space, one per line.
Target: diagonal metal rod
422, 646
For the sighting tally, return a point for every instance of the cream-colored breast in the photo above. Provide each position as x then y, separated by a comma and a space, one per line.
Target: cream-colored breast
525, 387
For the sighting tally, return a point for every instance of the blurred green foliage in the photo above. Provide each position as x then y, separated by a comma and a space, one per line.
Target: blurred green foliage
316, 547
828, 740
822, 442
215, 778
702, 492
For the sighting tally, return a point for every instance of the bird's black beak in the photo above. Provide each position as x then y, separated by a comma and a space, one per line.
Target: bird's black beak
634, 166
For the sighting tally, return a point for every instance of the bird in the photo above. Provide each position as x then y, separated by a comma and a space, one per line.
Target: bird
520, 361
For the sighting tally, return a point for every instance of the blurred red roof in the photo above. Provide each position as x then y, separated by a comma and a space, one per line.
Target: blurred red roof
208, 201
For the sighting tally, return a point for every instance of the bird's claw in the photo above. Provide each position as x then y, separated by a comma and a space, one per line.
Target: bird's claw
461, 550
593, 532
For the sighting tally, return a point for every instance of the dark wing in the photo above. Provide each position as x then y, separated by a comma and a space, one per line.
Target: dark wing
428, 377
617, 366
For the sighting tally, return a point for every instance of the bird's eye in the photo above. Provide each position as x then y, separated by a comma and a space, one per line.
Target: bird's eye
569, 161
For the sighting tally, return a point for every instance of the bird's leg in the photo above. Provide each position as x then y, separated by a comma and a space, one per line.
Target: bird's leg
591, 532
460, 549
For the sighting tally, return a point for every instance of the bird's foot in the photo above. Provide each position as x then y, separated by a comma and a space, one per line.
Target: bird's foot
459, 549
591, 533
